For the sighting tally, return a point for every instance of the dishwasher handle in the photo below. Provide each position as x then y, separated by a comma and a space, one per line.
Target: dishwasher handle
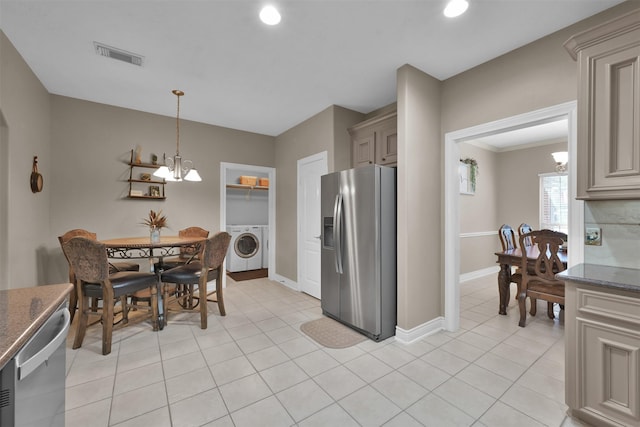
31, 364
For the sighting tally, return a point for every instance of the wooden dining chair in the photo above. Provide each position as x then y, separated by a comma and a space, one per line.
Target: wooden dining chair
524, 229
186, 252
88, 259
207, 267
113, 267
507, 237
539, 282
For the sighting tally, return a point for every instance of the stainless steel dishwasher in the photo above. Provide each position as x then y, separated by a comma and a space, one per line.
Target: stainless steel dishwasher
32, 384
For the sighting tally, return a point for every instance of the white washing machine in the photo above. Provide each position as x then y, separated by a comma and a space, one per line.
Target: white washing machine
245, 248
265, 246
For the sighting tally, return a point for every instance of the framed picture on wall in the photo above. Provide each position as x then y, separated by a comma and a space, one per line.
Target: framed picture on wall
154, 191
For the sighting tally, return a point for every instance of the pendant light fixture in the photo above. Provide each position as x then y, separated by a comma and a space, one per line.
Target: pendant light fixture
175, 168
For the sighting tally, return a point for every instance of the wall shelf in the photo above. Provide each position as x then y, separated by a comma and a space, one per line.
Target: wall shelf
247, 187
136, 183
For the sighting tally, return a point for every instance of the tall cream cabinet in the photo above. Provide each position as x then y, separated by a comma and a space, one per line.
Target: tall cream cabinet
608, 58
602, 344
375, 141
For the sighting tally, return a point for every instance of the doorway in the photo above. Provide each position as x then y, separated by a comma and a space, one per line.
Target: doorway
226, 186
566, 111
310, 169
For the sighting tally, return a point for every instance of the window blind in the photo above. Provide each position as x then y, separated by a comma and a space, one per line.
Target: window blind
554, 202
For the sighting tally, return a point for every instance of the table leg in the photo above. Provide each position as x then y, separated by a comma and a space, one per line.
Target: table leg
504, 281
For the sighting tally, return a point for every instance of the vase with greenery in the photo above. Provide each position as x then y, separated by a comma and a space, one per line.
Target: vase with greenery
156, 221
473, 171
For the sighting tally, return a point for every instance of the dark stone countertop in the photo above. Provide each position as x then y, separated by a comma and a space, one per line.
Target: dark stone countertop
620, 278
23, 311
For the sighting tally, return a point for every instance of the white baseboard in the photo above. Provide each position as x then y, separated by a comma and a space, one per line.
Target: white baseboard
414, 334
287, 282
479, 273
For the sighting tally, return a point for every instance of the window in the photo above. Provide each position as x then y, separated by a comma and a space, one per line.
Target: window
554, 202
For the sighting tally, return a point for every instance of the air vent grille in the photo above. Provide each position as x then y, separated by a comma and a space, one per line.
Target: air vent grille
5, 398
119, 54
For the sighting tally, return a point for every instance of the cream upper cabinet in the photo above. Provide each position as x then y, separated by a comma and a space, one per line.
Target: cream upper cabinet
608, 108
375, 141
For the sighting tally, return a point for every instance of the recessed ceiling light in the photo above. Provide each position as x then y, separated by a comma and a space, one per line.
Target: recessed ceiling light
455, 8
270, 15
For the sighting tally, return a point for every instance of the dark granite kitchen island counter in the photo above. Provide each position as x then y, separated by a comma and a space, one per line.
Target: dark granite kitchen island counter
23, 311
620, 278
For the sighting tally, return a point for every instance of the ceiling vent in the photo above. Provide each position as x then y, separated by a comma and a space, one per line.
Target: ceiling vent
119, 54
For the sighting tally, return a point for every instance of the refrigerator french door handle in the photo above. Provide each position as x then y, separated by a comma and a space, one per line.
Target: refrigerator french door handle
337, 232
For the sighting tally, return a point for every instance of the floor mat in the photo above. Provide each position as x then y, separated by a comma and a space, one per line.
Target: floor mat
332, 334
248, 275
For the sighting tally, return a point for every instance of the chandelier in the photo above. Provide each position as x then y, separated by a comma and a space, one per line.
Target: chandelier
175, 169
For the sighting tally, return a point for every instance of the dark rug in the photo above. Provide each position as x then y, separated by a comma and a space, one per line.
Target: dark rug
248, 275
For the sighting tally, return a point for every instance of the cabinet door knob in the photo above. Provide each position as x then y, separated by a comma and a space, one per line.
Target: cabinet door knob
384, 159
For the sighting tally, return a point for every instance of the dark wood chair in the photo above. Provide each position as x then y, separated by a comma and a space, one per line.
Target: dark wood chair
540, 282
187, 253
206, 267
113, 267
90, 265
508, 242
524, 229
507, 237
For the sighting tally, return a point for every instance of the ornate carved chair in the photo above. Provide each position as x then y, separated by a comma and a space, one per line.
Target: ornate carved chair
539, 282
90, 265
508, 242
207, 267
113, 267
524, 229
507, 237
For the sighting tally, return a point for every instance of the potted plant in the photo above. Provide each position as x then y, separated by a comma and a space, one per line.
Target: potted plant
155, 222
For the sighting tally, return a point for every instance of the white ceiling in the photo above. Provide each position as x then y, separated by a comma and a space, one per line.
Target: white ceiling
539, 134
239, 73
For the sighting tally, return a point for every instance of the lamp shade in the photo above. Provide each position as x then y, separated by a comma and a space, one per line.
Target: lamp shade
561, 157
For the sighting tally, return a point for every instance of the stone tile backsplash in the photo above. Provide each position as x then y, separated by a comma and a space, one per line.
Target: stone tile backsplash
619, 221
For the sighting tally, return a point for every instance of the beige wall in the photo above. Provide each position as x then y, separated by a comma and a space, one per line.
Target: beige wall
91, 144
24, 104
419, 190
326, 131
478, 212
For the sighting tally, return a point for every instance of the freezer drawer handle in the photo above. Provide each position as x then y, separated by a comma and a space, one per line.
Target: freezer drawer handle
337, 232
30, 365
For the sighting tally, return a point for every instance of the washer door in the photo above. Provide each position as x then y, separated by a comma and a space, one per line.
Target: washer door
246, 245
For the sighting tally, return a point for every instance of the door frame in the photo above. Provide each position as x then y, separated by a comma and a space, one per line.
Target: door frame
322, 156
271, 172
567, 111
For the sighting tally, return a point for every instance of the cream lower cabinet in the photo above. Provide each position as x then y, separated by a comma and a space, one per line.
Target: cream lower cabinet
602, 366
608, 157
375, 141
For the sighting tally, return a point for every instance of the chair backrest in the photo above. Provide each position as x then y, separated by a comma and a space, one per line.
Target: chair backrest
548, 263
191, 232
215, 249
524, 229
507, 237
76, 232
88, 259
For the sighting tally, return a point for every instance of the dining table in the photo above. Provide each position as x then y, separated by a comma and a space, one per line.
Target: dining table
145, 248
513, 257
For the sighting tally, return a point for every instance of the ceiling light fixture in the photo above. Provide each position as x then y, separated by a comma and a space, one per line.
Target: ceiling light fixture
561, 158
455, 8
270, 15
175, 169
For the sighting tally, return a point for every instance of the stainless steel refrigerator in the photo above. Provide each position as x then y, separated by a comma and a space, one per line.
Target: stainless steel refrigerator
358, 278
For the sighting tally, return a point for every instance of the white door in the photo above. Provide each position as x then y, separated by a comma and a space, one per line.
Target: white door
310, 169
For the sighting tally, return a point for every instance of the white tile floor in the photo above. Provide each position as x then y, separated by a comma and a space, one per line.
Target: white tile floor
255, 367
